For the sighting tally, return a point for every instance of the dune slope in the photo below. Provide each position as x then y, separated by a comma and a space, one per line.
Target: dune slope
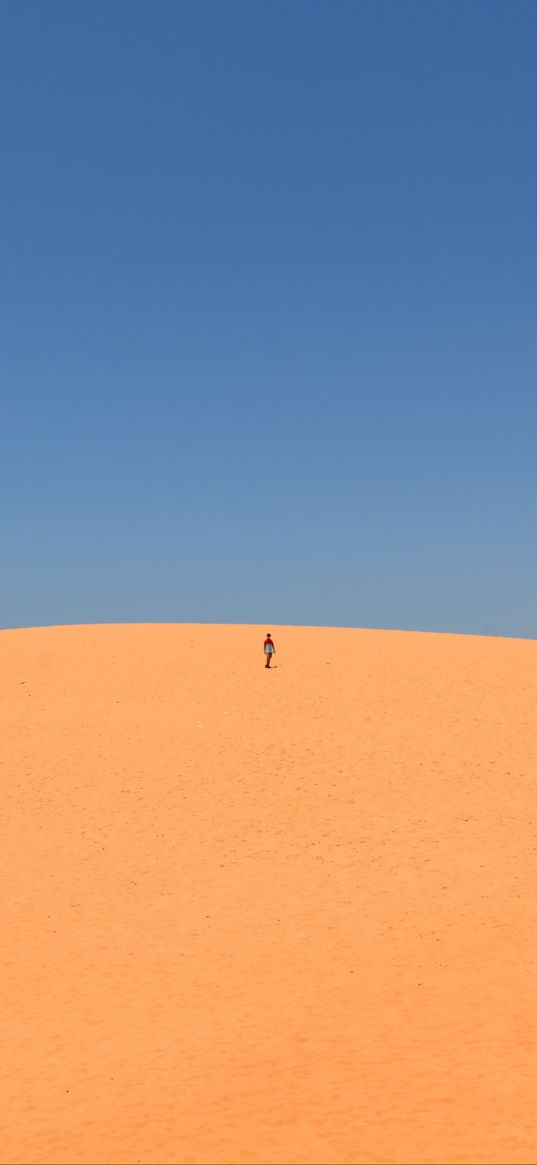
254, 916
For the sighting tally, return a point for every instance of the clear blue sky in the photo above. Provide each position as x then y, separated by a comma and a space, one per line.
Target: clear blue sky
268, 282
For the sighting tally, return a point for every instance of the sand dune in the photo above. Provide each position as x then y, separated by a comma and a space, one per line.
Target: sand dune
256, 916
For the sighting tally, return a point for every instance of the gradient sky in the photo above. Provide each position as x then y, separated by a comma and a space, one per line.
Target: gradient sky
268, 288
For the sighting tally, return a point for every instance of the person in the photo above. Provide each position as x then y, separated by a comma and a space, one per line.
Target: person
269, 648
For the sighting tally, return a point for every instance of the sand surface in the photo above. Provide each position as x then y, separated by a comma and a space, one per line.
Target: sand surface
254, 916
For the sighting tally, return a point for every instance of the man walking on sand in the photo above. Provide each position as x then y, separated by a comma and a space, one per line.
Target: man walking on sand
269, 648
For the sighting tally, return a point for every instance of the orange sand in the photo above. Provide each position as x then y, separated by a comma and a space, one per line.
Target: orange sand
256, 916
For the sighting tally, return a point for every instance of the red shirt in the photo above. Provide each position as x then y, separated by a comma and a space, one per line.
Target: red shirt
268, 641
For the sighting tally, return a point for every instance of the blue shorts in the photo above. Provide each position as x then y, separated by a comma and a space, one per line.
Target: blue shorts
269, 650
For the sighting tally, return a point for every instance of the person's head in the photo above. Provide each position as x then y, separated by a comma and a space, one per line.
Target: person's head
269, 635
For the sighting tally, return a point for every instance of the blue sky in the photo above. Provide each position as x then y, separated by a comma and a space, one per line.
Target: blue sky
268, 287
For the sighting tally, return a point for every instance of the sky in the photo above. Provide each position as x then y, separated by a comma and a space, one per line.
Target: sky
268, 288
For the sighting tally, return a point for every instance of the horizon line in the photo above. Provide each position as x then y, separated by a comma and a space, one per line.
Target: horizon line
281, 626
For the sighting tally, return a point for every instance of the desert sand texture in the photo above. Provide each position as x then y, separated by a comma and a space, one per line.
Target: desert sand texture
255, 916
